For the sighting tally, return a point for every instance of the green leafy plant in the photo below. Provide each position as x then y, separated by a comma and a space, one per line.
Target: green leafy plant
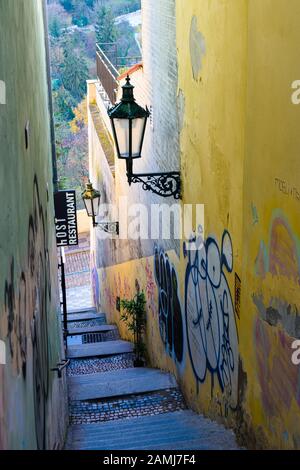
134, 316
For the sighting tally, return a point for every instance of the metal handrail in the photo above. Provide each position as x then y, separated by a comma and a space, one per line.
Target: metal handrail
63, 290
110, 67
107, 72
60, 367
107, 75
129, 60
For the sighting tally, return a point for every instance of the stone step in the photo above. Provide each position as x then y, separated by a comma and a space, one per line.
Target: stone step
72, 317
91, 329
134, 442
82, 310
161, 422
108, 348
124, 382
183, 428
130, 435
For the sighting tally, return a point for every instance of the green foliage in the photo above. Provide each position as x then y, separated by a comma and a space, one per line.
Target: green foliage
90, 3
105, 24
72, 63
81, 13
63, 104
134, 316
122, 7
67, 4
55, 27
63, 183
57, 20
74, 73
126, 43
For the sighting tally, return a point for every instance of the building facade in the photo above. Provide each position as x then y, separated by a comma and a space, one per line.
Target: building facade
33, 408
222, 308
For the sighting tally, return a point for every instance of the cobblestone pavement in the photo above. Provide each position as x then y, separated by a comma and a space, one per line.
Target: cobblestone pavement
91, 366
165, 408
149, 404
86, 323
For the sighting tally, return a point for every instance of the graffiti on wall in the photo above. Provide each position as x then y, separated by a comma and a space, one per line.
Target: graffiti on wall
237, 294
280, 257
275, 368
169, 308
150, 288
26, 302
209, 313
278, 321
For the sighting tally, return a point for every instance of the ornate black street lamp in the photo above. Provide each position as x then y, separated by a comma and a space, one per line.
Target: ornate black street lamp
129, 122
91, 199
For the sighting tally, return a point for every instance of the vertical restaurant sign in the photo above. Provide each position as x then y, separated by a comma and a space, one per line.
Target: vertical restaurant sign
65, 218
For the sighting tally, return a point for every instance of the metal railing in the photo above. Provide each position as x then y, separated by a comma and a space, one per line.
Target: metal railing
107, 74
63, 292
126, 62
109, 65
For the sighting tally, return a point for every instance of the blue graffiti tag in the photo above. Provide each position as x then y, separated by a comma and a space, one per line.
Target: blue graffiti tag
210, 321
169, 308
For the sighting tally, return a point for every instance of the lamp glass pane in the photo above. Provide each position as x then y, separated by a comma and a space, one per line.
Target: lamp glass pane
137, 135
88, 206
122, 132
96, 203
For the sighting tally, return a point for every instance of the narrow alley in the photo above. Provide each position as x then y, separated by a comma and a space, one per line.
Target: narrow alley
149, 230
114, 406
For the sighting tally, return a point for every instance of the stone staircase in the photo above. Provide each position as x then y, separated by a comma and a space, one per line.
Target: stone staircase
114, 406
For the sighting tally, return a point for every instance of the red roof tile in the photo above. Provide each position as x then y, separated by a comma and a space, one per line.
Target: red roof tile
130, 71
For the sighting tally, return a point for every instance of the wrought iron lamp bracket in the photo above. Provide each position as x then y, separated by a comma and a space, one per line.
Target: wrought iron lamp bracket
163, 184
108, 227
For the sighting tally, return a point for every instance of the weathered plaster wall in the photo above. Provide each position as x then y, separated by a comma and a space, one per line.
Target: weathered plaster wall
271, 262
212, 65
32, 398
239, 146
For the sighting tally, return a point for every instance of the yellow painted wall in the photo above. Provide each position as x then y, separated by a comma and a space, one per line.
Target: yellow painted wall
240, 156
83, 221
212, 81
271, 263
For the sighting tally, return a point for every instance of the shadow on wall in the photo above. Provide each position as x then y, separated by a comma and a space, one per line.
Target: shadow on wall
25, 317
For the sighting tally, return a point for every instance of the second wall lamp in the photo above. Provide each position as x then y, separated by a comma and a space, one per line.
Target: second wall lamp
91, 198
